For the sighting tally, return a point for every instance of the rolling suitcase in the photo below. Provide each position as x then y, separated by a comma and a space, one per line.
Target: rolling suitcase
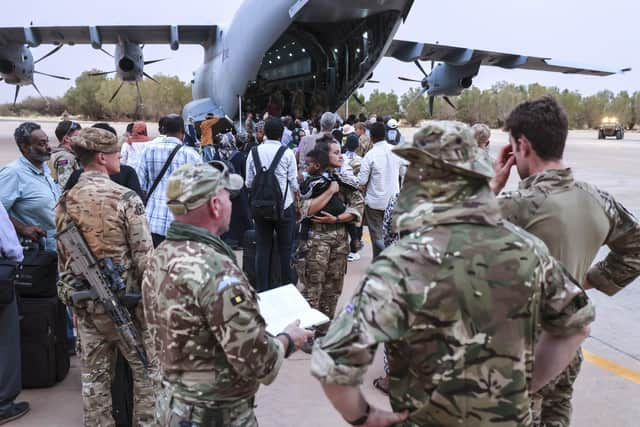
43, 341
37, 275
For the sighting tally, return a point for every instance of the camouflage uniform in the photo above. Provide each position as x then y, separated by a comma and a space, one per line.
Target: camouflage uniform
364, 146
457, 300
321, 259
62, 164
113, 222
212, 346
551, 201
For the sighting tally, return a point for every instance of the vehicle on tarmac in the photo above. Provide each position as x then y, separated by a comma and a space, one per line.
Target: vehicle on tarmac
610, 126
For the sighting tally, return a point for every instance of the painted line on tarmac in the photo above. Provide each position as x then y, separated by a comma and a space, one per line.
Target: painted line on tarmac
612, 367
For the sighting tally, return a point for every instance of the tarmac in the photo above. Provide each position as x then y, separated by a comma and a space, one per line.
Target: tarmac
607, 390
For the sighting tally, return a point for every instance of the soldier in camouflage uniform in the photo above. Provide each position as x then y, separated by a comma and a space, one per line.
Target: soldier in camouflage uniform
112, 220
63, 161
212, 346
322, 254
573, 218
457, 302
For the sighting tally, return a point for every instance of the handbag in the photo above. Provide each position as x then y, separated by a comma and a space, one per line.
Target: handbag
7, 277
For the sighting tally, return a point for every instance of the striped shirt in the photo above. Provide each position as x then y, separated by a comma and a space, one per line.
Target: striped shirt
153, 157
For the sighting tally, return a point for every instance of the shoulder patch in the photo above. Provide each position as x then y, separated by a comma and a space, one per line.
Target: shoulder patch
139, 209
237, 299
228, 281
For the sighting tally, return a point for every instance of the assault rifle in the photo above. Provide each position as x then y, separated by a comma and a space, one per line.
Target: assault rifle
106, 286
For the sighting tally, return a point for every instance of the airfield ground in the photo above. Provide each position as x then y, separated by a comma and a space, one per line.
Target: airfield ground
607, 390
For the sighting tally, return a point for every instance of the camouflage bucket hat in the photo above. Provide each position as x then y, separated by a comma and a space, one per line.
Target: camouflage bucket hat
447, 145
95, 139
191, 186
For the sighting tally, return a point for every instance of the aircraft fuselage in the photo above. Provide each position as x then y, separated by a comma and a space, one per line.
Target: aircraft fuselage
294, 57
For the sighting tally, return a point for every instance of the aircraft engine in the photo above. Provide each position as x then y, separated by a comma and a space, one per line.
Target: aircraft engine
448, 80
129, 63
466, 82
17, 66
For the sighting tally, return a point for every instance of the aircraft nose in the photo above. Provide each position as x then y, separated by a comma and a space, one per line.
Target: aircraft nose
6, 66
126, 64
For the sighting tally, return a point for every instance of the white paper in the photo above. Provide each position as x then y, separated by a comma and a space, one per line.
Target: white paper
282, 306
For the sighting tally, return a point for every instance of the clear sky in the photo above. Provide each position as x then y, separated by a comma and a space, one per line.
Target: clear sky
577, 31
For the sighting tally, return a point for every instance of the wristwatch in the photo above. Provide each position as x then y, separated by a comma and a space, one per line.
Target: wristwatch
363, 419
291, 347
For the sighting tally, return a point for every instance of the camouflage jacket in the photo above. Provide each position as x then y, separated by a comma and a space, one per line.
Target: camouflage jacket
62, 164
113, 222
457, 302
575, 219
203, 315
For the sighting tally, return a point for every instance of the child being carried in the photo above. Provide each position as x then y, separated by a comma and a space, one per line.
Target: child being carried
315, 184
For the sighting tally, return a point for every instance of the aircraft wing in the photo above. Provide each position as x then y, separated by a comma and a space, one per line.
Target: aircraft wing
111, 34
409, 51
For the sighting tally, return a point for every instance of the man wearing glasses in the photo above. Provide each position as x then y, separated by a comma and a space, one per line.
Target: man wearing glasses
63, 161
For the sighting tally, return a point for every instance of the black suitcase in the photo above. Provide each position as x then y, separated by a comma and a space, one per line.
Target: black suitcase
37, 275
122, 392
249, 259
43, 341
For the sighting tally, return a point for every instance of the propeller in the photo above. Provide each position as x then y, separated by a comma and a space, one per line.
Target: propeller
51, 52
40, 93
150, 78
15, 98
153, 61
102, 73
373, 81
116, 92
52, 75
425, 87
358, 100
446, 98
139, 100
107, 53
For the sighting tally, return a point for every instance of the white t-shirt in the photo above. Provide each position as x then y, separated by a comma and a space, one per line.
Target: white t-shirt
132, 153
380, 173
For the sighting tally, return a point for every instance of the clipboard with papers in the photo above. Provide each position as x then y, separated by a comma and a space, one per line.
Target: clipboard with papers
282, 306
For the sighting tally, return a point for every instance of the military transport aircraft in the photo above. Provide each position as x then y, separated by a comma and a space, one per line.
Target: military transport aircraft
304, 57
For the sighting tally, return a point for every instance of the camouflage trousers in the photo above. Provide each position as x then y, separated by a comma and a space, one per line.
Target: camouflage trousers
321, 265
552, 404
99, 340
174, 412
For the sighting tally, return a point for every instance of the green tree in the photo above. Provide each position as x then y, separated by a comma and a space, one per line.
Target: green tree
594, 107
508, 96
622, 108
572, 103
81, 99
414, 109
635, 108
354, 105
382, 103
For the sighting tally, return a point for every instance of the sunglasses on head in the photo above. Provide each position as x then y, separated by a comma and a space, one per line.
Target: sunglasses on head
73, 126
224, 174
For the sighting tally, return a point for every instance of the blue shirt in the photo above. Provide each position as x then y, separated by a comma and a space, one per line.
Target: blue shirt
30, 196
153, 157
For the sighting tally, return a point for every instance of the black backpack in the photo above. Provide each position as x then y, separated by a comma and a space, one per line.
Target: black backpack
267, 200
